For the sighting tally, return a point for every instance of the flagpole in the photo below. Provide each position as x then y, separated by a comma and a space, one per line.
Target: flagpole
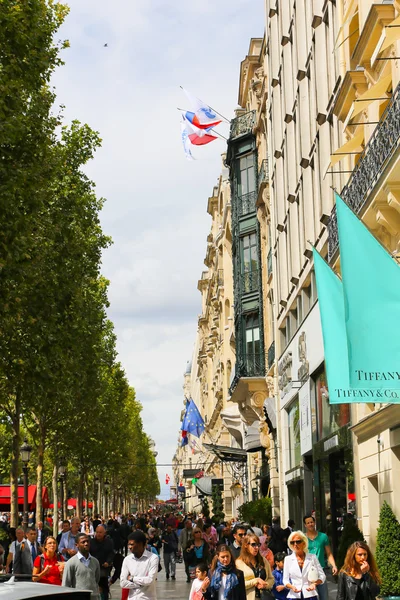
218, 113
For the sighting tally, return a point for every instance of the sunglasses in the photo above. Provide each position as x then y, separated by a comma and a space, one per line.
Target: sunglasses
297, 542
240, 534
254, 545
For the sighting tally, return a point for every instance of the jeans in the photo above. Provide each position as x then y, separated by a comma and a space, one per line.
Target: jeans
169, 563
322, 590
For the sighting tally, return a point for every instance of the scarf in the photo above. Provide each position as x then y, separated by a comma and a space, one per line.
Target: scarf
231, 580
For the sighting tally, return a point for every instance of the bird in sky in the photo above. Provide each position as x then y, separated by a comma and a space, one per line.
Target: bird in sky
105, 45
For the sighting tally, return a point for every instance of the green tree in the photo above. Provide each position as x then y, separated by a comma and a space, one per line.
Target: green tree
260, 510
387, 551
205, 508
218, 504
28, 57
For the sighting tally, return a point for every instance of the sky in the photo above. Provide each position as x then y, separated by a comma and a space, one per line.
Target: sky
156, 200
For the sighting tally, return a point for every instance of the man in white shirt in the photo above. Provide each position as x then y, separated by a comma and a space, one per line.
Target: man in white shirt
139, 569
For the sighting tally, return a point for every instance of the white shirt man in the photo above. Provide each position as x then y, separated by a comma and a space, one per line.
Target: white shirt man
139, 569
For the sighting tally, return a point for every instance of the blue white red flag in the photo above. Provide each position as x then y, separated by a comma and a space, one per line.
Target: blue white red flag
196, 136
202, 116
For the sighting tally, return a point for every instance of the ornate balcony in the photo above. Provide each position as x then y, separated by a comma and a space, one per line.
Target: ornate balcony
249, 282
246, 204
252, 365
243, 125
377, 153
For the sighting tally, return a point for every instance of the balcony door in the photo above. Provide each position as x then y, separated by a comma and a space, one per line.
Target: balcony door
249, 262
253, 358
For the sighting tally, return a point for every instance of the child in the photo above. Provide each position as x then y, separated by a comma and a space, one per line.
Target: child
201, 576
279, 590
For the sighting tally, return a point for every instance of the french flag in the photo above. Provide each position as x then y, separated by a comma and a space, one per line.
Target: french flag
203, 116
198, 137
202, 119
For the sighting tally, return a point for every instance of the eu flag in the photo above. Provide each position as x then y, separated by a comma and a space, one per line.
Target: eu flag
193, 421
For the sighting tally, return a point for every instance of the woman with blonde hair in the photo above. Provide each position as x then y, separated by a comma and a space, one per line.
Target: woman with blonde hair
302, 571
258, 577
359, 577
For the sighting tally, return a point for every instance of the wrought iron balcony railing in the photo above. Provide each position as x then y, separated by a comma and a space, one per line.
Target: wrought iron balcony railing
246, 203
263, 172
271, 355
252, 365
243, 124
269, 262
249, 281
377, 153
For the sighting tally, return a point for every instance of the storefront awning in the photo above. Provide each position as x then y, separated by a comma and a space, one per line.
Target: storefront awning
5, 497
353, 146
233, 421
252, 441
227, 454
270, 413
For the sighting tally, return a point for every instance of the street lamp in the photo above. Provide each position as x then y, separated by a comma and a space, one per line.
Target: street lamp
107, 489
25, 453
236, 489
61, 478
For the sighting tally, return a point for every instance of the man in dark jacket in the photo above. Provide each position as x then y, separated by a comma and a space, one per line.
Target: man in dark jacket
278, 537
170, 544
102, 548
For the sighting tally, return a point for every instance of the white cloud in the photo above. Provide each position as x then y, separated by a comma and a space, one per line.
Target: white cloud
156, 200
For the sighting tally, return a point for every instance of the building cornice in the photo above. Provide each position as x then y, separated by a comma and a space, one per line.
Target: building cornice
377, 422
378, 16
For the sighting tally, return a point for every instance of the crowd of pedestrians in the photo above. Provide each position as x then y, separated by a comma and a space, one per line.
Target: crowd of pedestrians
234, 561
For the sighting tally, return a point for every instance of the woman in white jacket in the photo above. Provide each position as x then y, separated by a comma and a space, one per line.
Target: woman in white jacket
302, 571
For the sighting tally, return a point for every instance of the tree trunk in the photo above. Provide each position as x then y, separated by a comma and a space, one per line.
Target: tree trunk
39, 473
79, 502
16, 439
55, 501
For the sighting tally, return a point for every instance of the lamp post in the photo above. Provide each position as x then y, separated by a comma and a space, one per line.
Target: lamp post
96, 509
107, 489
61, 479
25, 453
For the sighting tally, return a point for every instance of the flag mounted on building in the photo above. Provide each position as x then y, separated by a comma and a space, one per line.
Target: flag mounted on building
371, 286
193, 421
332, 313
196, 136
202, 115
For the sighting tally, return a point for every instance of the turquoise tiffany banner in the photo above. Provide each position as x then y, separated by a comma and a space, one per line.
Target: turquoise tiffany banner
332, 311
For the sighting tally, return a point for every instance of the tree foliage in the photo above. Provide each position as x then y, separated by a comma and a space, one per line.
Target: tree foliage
387, 551
58, 359
218, 504
260, 510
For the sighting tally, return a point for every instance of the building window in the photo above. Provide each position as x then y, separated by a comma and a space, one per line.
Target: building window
330, 417
249, 263
252, 345
294, 435
247, 179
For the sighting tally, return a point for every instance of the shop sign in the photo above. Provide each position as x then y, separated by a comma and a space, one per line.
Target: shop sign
292, 475
305, 419
331, 443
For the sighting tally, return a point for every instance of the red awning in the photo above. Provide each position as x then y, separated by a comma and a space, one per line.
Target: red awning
5, 495
73, 501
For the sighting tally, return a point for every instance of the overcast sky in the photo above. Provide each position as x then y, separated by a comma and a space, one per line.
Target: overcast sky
156, 200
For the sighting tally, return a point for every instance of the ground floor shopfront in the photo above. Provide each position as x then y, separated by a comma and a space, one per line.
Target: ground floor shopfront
316, 441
